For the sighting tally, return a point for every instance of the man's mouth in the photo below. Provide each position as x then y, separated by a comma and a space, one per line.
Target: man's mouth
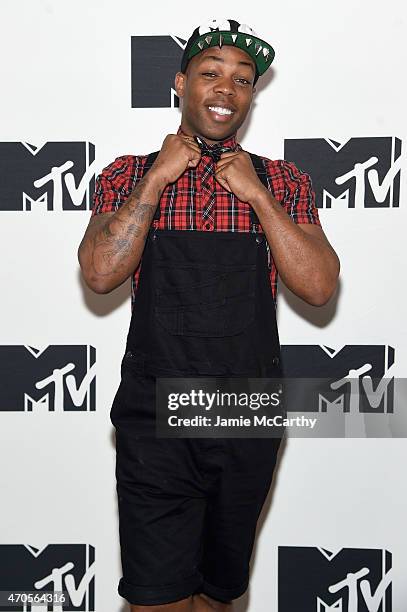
220, 110
221, 113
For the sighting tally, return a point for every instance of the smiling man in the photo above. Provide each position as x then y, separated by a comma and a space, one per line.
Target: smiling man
203, 228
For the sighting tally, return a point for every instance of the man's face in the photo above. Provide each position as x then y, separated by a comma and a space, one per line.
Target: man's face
217, 78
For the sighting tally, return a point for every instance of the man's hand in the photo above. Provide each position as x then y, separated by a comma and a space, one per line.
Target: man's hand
113, 243
236, 173
178, 152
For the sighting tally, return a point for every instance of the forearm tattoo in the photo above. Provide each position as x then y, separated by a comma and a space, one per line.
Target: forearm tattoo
124, 234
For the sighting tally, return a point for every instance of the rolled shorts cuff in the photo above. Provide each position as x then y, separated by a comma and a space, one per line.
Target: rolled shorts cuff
222, 594
161, 594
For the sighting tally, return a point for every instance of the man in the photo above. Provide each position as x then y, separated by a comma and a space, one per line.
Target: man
203, 233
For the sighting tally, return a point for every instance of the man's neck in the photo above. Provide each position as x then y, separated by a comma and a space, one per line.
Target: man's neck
231, 140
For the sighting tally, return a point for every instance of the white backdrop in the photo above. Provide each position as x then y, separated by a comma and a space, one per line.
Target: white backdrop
65, 74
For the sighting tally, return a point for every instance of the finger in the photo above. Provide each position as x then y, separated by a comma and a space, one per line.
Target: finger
229, 154
194, 146
194, 152
190, 141
197, 150
194, 161
223, 182
221, 165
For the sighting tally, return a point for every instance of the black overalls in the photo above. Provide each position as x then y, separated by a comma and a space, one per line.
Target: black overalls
188, 507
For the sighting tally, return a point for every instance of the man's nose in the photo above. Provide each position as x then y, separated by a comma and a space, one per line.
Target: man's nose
226, 86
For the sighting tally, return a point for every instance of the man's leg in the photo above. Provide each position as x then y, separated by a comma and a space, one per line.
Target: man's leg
196, 603
161, 500
184, 605
232, 511
204, 603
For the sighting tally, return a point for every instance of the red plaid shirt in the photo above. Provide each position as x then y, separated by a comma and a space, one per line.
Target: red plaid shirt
196, 201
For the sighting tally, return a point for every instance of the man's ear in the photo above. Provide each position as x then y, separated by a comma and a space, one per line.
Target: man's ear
180, 78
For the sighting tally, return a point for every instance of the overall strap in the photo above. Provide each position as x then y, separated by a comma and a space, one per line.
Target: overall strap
258, 166
262, 174
151, 157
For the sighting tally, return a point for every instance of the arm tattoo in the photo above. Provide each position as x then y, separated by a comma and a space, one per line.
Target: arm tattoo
124, 234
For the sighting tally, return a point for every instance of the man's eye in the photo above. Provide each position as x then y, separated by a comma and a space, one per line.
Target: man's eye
241, 80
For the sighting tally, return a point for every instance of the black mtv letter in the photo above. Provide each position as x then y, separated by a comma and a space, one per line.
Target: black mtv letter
154, 62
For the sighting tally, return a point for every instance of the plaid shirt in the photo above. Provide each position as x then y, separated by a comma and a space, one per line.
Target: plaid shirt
196, 201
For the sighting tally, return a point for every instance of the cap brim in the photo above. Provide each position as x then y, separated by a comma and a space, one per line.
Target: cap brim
261, 52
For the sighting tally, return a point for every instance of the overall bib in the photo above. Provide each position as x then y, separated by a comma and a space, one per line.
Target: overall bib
188, 507
204, 304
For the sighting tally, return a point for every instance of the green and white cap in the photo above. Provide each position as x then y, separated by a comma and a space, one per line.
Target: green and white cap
219, 32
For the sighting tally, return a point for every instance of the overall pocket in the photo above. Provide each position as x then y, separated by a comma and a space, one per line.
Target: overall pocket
221, 305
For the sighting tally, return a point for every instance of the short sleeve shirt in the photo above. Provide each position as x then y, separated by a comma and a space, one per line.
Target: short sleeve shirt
197, 202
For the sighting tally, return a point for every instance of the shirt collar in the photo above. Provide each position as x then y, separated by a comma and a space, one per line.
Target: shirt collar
229, 142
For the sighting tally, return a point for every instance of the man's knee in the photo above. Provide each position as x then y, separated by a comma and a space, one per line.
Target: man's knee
208, 603
184, 605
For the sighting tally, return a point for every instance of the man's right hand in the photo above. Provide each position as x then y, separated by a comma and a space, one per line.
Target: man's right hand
113, 243
178, 152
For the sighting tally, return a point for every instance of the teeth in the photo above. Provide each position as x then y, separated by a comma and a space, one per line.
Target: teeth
220, 110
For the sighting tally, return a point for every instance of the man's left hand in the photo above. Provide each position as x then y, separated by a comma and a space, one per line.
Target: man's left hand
236, 173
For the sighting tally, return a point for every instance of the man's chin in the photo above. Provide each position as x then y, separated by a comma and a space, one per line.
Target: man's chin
217, 132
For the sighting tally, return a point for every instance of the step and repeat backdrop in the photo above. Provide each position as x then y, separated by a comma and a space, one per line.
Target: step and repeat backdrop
85, 82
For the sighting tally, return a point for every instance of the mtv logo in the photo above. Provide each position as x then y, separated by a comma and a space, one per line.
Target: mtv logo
345, 580
352, 378
323, 607
53, 567
32, 204
154, 62
52, 176
56, 378
354, 173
